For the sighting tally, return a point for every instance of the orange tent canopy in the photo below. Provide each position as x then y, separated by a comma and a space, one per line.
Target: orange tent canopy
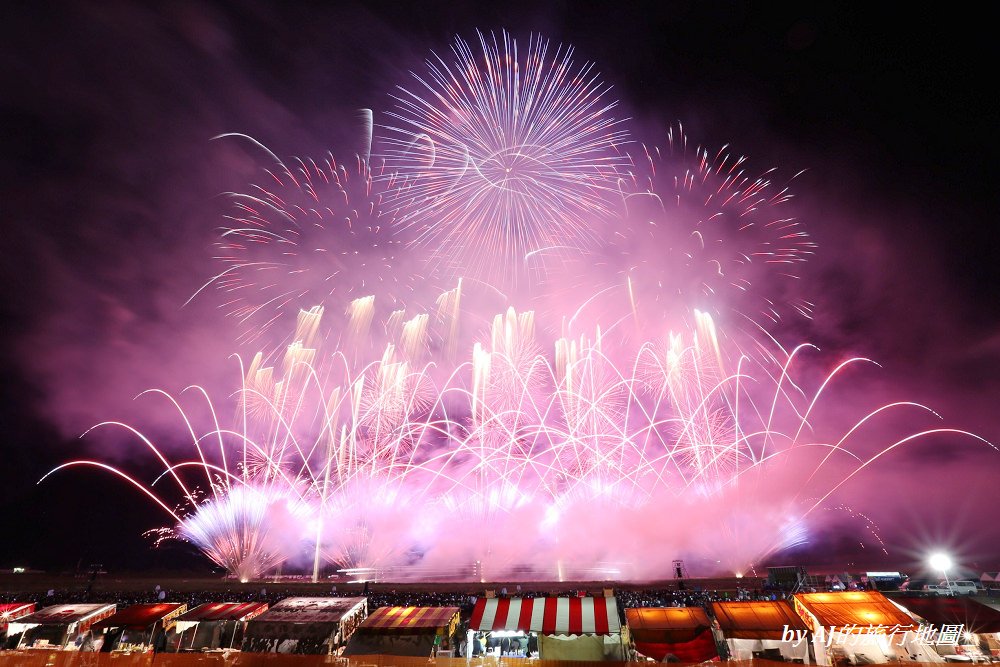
763, 619
854, 611
667, 625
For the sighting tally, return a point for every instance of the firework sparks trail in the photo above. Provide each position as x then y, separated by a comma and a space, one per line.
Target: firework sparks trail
312, 233
246, 530
591, 438
379, 452
501, 152
695, 233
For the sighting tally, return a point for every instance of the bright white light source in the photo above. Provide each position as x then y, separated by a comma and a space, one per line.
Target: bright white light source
940, 562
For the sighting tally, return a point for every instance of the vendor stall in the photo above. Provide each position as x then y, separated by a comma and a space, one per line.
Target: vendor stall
857, 627
140, 628
977, 625
216, 625
586, 628
12, 611
767, 629
682, 632
58, 626
312, 626
406, 631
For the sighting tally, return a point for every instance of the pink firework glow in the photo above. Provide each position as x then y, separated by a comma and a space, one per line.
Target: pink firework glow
728, 234
614, 429
369, 471
500, 152
692, 232
310, 233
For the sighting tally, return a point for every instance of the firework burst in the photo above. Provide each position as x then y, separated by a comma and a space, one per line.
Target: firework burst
378, 451
365, 474
311, 233
248, 530
499, 153
696, 233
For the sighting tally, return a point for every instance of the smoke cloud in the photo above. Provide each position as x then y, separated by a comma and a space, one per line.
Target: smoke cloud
113, 192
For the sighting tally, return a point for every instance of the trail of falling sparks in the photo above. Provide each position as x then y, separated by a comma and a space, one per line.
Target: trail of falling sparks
382, 432
325, 462
499, 152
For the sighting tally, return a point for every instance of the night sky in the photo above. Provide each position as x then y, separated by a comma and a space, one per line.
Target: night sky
111, 199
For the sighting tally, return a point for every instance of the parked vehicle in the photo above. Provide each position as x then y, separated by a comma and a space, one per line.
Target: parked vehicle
934, 589
962, 587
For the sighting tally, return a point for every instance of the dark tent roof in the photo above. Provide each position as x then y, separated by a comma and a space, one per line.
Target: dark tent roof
142, 615
12, 611
309, 610
64, 614
224, 611
304, 625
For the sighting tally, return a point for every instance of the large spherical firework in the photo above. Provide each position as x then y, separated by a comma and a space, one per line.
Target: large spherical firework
696, 233
701, 233
503, 157
311, 234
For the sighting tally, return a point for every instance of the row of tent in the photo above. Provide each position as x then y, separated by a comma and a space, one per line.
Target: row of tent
858, 627
815, 628
823, 628
295, 625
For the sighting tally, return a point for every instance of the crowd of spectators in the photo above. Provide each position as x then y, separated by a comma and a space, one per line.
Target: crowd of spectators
463, 599
268, 594
690, 598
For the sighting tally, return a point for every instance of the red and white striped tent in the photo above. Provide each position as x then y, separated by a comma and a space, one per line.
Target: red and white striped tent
548, 616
